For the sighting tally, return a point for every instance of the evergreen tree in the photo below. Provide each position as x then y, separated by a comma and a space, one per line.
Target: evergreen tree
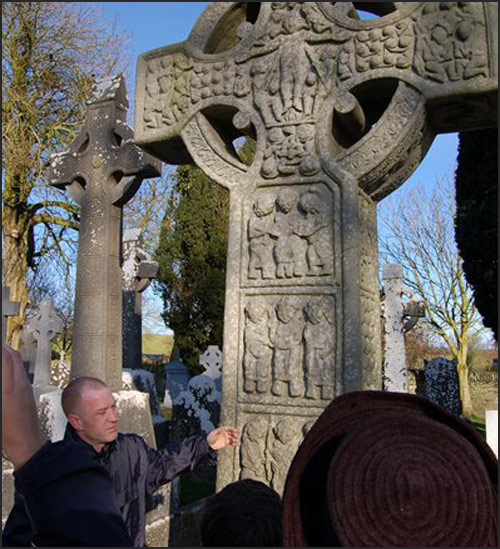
192, 256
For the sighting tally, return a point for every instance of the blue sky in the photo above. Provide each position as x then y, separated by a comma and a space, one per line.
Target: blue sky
153, 25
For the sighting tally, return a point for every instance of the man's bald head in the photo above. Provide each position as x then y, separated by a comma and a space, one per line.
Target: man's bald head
72, 395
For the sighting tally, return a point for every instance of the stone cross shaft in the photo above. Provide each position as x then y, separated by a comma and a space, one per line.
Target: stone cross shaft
343, 110
138, 272
44, 327
102, 170
9, 308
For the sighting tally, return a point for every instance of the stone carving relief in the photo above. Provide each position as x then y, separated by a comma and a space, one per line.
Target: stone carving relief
253, 453
290, 236
451, 39
290, 347
268, 447
301, 54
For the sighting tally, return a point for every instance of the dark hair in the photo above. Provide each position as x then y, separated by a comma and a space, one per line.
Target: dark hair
246, 513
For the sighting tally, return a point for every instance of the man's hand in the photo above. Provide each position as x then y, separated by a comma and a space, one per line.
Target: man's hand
222, 437
21, 433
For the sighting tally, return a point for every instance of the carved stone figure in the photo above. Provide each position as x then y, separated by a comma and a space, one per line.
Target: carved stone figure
261, 243
258, 349
282, 451
319, 362
316, 227
289, 249
253, 451
287, 359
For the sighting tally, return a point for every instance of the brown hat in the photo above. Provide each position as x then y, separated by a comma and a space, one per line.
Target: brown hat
391, 470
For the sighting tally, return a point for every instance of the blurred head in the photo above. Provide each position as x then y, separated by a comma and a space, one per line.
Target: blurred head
91, 410
246, 513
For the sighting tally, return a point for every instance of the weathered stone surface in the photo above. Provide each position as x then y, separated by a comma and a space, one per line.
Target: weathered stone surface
343, 111
44, 327
442, 385
400, 317
9, 308
102, 171
492, 429
176, 380
138, 271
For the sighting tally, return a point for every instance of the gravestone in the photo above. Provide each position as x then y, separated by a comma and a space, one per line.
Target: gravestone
343, 111
138, 272
9, 308
400, 317
44, 326
492, 430
102, 170
176, 381
211, 362
442, 385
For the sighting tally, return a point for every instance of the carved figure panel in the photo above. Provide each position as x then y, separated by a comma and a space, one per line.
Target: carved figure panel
268, 446
289, 348
291, 237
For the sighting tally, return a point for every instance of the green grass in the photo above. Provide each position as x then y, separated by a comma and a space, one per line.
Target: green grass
480, 425
155, 344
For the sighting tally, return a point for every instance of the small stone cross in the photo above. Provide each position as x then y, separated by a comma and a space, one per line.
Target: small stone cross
138, 272
9, 308
44, 327
102, 171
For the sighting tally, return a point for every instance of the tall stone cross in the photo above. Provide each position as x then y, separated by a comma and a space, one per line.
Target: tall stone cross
138, 272
9, 308
44, 327
343, 109
400, 317
102, 170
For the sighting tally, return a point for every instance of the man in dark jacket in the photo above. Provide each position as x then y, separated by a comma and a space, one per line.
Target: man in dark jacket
136, 470
49, 475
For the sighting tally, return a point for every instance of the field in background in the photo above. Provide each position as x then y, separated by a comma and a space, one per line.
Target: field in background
154, 344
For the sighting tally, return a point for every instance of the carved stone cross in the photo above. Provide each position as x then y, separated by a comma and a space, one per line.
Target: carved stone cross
44, 327
138, 272
343, 110
400, 317
9, 308
102, 171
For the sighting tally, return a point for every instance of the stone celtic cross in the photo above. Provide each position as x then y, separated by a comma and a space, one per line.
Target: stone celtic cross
138, 272
44, 327
102, 171
343, 110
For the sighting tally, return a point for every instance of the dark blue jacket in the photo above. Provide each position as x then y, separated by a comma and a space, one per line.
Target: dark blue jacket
136, 471
64, 498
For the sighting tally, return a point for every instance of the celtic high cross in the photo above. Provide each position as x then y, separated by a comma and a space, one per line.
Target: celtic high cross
102, 170
343, 109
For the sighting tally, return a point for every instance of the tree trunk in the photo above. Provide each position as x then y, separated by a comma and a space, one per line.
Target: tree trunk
463, 379
16, 225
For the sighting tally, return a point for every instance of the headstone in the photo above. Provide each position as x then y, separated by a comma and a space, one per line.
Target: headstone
102, 170
492, 430
442, 385
400, 317
343, 111
44, 327
143, 381
176, 381
211, 362
9, 308
138, 272
28, 350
